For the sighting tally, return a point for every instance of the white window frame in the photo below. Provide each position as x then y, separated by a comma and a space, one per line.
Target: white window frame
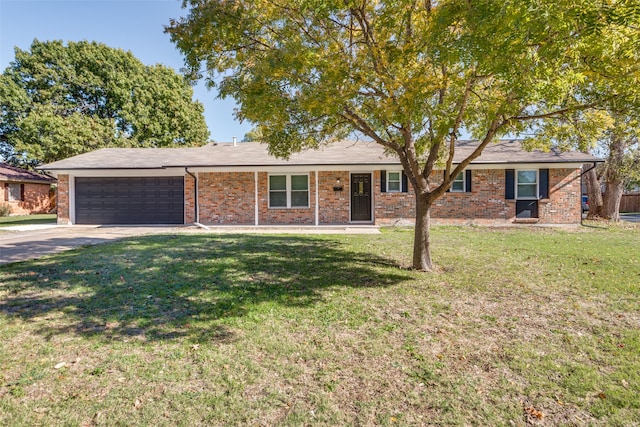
399, 181
288, 190
537, 184
463, 180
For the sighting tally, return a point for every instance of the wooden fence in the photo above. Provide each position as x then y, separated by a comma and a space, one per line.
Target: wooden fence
630, 202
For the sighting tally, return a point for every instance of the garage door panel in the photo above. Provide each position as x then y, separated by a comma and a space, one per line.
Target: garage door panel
148, 200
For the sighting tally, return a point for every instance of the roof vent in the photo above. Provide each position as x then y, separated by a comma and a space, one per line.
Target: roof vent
235, 143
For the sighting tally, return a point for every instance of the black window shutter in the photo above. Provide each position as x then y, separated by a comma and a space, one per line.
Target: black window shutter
509, 184
467, 178
544, 184
6, 191
21, 192
383, 181
405, 183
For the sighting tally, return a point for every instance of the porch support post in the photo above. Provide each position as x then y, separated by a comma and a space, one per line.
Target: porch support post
256, 207
317, 199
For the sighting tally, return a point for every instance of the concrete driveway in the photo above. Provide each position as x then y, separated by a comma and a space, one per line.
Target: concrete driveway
30, 242
631, 217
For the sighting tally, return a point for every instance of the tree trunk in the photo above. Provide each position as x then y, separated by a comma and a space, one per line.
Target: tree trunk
421, 241
594, 192
612, 198
614, 183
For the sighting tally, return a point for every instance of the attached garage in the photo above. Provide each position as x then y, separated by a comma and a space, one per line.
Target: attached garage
129, 200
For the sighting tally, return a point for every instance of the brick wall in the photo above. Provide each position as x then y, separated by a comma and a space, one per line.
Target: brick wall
391, 208
63, 199
227, 198
36, 199
334, 205
189, 199
564, 203
275, 216
485, 204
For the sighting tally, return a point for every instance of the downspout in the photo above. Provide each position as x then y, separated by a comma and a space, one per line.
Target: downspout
195, 184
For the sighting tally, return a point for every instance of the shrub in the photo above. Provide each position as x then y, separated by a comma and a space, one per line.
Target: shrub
5, 209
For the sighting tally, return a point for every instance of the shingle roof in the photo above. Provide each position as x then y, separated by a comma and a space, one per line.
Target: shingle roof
256, 155
15, 174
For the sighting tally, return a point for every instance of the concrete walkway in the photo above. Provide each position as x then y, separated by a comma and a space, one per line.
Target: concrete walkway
23, 243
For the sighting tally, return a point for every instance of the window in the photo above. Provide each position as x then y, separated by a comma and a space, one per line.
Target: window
13, 192
299, 191
278, 191
527, 184
458, 183
288, 191
394, 182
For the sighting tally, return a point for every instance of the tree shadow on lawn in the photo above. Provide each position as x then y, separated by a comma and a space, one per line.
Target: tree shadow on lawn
182, 286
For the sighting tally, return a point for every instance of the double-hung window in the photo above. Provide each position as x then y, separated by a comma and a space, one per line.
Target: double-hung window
394, 182
289, 191
458, 184
527, 184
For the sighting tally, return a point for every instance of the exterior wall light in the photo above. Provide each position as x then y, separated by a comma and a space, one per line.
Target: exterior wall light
338, 186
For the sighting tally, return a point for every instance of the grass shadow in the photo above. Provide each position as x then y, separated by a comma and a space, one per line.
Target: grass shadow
175, 286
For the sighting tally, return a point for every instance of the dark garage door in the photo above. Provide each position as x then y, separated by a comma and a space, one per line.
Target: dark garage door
149, 200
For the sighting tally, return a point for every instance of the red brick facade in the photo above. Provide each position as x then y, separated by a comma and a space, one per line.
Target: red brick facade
334, 203
189, 199
35, 198
229, 198
63, 200
226, 198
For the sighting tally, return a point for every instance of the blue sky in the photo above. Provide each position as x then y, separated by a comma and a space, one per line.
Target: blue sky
133, 25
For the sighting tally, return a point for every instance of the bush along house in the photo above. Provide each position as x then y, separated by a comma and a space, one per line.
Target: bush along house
340, 184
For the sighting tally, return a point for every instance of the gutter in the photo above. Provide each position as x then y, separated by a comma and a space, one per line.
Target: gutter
197, 211
595, 164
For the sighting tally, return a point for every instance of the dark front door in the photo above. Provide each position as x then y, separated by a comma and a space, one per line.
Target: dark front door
361, 197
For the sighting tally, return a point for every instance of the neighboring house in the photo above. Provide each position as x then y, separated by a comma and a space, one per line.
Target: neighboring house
24, 191
344, 183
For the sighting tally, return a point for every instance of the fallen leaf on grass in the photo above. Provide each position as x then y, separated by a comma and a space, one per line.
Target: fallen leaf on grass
533, 412
60, 365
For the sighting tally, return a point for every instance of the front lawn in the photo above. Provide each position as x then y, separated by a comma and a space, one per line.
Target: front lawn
519, 326
9, 221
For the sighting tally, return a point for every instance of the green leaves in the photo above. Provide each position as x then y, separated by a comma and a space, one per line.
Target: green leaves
61, 100
413, 76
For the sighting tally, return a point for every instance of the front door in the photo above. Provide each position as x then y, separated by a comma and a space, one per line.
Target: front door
361, 197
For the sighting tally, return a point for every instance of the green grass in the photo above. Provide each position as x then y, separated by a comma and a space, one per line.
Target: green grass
518, 326
9, 221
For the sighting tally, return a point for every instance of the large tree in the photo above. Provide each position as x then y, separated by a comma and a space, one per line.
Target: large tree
411, 75
60, 100
620, 146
